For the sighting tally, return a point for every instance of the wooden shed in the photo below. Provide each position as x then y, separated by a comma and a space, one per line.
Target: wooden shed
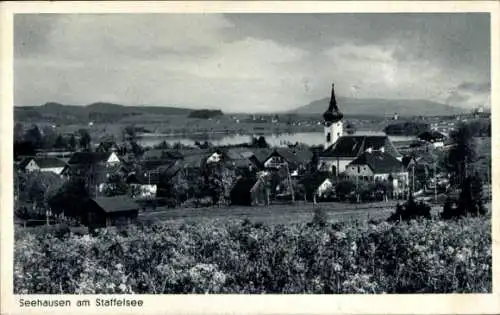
108, 211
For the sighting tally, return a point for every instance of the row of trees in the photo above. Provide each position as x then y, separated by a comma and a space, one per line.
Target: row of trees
26, 142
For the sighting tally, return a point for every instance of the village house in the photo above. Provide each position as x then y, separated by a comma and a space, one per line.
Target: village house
42, 164
95, 167
339, 150
108, 211
378, 166
295, 160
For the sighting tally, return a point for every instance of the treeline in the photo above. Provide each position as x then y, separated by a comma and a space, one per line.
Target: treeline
205, 113
406, 128
28, 142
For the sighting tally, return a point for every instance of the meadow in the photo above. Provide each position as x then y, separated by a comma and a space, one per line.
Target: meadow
372, 256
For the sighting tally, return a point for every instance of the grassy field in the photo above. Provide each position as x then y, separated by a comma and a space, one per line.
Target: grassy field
275, 214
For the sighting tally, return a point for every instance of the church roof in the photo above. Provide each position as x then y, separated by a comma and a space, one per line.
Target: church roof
333, 113
353, 146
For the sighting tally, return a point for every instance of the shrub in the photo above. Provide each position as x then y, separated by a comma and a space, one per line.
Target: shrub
411, 210
420, 257
470, 200
320, 217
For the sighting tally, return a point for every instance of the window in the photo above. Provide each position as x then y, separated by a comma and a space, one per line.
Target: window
359, 169
328, 137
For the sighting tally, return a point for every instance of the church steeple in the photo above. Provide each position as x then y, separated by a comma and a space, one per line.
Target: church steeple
334, 126
332, 114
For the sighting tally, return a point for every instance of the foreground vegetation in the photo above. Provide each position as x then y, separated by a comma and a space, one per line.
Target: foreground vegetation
423, 256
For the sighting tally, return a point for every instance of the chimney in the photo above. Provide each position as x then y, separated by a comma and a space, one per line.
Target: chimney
369, 150
382, 149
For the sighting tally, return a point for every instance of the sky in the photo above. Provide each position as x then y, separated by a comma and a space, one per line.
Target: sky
250, 62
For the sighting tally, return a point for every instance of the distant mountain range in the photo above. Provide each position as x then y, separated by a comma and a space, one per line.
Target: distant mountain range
101, 111
380, 107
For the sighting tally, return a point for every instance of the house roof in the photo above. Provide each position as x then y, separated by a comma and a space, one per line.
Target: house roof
353, 146
89, 157
261, 154
379, 162
116, 204
294, 156
44, 162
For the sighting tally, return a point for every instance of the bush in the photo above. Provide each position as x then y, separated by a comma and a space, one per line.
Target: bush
470, 200
411, 210
320, 217
419, 257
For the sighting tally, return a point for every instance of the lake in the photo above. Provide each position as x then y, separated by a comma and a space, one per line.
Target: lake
278, 140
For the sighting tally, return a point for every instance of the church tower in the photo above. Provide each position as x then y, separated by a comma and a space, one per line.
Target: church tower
334, 126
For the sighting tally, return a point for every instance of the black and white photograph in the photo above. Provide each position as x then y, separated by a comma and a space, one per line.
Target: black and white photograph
252, 153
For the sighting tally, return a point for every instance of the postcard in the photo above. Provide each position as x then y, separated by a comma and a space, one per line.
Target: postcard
249, 157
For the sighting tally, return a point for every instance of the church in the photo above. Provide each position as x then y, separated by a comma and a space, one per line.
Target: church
340, 151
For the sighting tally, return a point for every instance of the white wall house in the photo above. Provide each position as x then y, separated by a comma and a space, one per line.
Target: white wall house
43, 164
377, 166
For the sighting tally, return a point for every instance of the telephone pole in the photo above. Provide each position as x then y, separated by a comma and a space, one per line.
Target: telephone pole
435, 182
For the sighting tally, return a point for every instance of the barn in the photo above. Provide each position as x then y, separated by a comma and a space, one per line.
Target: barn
108, 211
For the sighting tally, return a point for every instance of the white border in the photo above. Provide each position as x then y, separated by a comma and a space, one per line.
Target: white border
257, 304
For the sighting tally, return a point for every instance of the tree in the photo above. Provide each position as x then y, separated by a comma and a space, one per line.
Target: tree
137, 150
72, 143
461, 156
60, 142
470, 200
34, 136
69, 199
116, 186
49, 138
130, 133
262, 143
18, 132
345, 188
85, 140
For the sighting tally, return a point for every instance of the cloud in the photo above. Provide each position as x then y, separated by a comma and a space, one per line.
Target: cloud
250, 62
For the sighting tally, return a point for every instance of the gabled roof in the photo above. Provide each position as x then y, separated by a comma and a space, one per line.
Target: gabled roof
43, 162
294, 156
25, 162
116, 204
89, 157
49, 162
353, 146
379, 162
262, 154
